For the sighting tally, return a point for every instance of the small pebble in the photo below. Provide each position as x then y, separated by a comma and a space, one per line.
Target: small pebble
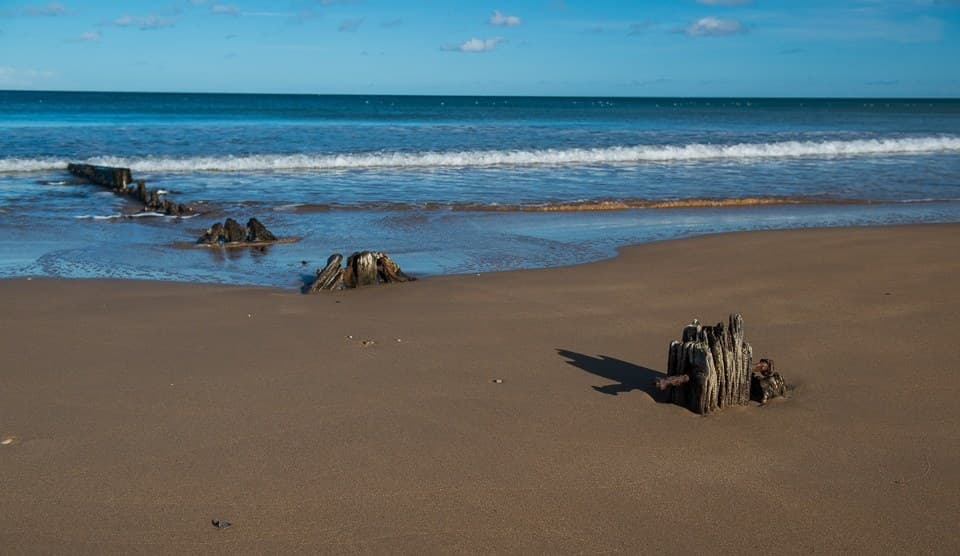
497, 381
399, 340
220, 523
249, 316
8, 440
349, 337
367, 343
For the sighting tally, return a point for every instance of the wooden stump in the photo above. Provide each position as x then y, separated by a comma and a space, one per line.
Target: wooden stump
389, 271
330, 277
363, 268
717, 363
364, 265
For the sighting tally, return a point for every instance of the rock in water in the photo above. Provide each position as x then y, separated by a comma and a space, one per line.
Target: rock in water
258, 232
213, 235
233, 232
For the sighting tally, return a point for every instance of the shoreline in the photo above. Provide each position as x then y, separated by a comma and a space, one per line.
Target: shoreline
618, 253
372, 421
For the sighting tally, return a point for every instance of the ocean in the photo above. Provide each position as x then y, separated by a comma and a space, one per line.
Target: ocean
450, 185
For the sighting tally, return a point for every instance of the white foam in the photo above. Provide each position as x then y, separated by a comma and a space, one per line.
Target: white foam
132, 215
467, 159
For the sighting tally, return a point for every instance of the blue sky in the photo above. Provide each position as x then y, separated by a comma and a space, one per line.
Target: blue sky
536, 47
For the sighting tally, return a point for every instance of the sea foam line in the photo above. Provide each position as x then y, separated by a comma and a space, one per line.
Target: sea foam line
475, 158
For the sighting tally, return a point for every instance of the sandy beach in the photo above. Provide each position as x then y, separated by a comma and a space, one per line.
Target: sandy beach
372, 421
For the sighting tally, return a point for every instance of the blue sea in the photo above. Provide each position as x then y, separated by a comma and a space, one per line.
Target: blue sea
451, 184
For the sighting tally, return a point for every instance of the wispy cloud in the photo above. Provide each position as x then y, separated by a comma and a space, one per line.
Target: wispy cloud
89, 36
15, 77
391, 23
475, 45
51, 9
714, 27
350, 25
145, 23
498, 18
224, 9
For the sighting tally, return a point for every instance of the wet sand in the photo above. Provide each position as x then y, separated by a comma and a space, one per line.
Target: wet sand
137, 412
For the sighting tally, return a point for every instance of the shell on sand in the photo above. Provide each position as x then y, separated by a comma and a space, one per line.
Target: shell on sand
9, 440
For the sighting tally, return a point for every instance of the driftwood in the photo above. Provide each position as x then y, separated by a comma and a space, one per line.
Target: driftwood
231, 233
119, 180
717, 363
363, 268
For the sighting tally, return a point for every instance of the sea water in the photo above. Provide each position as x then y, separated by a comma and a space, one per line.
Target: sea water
451, 184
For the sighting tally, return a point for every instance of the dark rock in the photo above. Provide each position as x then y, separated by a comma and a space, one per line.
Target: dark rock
220, 523
213, 235
233, 232
258, 232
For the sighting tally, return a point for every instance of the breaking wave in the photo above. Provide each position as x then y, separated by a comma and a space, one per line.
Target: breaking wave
468, 159
595, 205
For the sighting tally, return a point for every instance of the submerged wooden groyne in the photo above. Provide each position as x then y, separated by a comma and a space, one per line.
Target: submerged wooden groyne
120, 181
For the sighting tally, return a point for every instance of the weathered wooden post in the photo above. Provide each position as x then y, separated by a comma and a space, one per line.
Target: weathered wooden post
330, 277
363, 268
710, 367
364, 265
115, 178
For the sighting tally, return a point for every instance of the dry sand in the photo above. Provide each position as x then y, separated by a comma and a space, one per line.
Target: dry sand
141, 411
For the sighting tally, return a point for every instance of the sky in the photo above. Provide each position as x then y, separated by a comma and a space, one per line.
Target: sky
693, 48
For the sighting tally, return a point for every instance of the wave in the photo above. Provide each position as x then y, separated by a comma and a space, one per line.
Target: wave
491, 158
595, 205
121, 216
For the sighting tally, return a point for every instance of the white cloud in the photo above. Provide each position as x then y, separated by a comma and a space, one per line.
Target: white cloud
223, 9
145, 23
723, 2
51, 9
714, 27
476, 45
13, 77
498, 18
90, 36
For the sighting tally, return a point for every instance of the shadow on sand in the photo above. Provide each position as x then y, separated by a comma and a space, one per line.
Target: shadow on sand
627, 375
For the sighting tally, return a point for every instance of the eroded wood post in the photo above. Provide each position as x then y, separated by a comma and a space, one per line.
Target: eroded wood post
717, 363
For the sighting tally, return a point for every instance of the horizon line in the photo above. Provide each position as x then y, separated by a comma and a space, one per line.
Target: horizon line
464, 95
